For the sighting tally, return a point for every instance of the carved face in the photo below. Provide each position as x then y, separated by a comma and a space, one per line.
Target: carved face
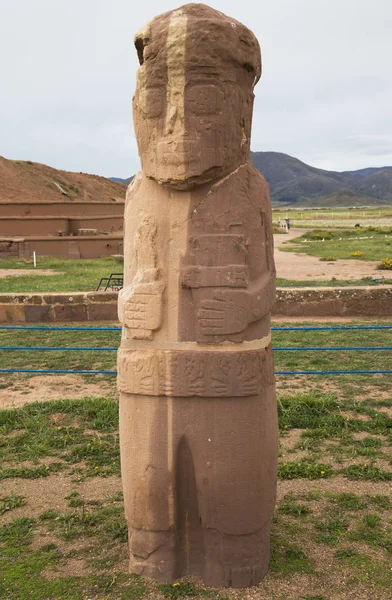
196, 138
192, 112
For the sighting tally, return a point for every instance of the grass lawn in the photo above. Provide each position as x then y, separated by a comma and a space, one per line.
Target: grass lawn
344, 244
94, 359
314, 283
83, 275
334, 213
335, 217
62, 528
71, 275
284, 360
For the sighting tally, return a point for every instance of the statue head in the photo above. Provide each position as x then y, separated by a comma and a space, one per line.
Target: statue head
194, 97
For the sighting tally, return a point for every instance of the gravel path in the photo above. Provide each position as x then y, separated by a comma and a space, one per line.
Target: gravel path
301, 267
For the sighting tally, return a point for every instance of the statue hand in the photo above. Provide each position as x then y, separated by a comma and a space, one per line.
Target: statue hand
140, 308
226, 313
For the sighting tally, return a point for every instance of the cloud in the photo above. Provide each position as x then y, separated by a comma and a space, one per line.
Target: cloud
69, 68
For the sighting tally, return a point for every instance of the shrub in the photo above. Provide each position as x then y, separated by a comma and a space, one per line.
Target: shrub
356, 254
385, 264
318, 234
384, 230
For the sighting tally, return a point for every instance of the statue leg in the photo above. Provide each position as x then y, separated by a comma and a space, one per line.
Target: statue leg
235, 448
146, 440
199, 478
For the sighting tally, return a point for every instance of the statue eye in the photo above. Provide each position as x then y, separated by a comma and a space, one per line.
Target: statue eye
152, 101
203, 99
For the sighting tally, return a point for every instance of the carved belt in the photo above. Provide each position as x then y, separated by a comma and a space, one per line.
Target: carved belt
200, 372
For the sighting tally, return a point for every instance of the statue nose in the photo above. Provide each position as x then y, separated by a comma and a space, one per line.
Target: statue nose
171, 119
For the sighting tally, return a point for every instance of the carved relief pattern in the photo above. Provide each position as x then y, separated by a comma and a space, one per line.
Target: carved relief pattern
140, 305
194, 373
138, 372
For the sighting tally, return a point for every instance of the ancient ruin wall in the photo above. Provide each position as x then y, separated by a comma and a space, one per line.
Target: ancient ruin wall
55, 226
375, 302
62, 209
62, 247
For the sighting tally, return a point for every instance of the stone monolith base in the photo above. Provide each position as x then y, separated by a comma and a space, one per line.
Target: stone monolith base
199, 484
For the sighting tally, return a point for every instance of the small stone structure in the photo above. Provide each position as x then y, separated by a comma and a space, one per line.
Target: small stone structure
371, 301
198, 421
58, 308
62, 230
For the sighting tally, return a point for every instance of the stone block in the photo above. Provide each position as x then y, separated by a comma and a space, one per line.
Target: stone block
70, 312
68, 298
101, 297
11, 313
102, 312
37, 314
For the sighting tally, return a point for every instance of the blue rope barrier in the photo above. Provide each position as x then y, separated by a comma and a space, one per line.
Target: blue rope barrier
96, 372
329, 328
362, 372
84, 371
59, 349
109, 372
104, 349
334, 348
49, 328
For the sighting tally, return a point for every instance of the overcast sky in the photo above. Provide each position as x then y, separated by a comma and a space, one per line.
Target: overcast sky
68, 75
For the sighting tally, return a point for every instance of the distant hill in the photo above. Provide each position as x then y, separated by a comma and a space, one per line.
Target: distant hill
25, 181
294, 183
123, 181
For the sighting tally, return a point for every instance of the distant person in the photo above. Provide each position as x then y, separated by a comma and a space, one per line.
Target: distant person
287, 223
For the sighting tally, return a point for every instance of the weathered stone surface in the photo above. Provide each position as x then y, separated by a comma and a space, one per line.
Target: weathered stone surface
101, 297
70, 298
102, 312
21, 299
198, 423
370, 301
187, 373
11, 313
70, 312
40, 314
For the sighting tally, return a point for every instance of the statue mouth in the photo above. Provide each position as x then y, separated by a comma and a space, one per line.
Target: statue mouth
178, 158
184, 152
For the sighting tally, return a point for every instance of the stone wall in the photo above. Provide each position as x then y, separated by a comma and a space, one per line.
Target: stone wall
290, 302
42, 308
55, 226
62, 247
62, 209
334, 302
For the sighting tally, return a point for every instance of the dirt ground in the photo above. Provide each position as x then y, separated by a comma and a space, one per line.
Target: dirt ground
301, 267
53, 387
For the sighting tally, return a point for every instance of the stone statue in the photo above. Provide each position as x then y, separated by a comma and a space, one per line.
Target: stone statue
198, 423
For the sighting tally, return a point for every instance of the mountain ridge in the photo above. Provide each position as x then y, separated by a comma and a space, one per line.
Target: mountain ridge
294, 183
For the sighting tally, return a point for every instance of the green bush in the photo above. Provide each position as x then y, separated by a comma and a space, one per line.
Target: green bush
385, 264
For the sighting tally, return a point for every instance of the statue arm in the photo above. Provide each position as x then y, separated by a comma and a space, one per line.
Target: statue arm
140, 304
